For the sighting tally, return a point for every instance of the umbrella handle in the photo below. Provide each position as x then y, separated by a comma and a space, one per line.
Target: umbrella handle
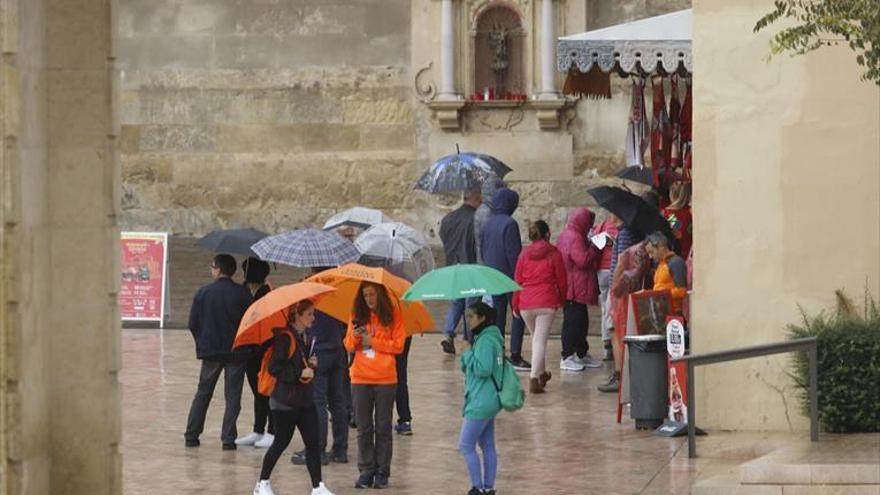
457, 151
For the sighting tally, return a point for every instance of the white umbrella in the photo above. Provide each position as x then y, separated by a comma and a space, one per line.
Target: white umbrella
359, 217
397, 246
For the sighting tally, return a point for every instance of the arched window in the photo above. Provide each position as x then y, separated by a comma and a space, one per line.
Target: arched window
499, 43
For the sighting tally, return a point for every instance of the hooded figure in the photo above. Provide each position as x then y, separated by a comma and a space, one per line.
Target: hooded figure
484, 211
500, 241
581, 258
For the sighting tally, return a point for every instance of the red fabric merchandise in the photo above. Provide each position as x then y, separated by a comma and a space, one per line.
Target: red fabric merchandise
609, 228
681, 222
541, 273
581, 258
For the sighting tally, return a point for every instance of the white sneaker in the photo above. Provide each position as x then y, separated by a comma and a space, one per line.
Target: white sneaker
249, 439
321, 490
263, 488
587, 361
265, 442
571, 364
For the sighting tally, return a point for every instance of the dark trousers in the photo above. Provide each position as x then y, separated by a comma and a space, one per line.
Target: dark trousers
332, 395
373, 409
306, 419
517, 325
575, 323
233, 381
261, 402
402, 398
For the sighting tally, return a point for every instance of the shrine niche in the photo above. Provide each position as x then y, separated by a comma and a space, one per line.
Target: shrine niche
498, 55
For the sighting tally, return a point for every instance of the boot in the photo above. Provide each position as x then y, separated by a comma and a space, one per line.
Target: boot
544, 378
613, 383
535, 386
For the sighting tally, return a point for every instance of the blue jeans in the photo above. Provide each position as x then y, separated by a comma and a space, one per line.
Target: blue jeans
480, 431
517, 325
453, 315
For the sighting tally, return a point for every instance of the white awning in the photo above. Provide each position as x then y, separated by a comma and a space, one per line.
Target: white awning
664, 40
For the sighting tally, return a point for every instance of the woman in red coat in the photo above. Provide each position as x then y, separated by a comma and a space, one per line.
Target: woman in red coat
541, 273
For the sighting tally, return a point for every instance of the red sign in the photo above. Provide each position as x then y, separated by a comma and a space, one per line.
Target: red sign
142, 292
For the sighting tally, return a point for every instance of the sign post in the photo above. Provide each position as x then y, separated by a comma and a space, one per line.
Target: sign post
144, 271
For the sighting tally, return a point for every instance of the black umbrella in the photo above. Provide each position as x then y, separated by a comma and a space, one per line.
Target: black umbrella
642, 175
232, 241
632, 210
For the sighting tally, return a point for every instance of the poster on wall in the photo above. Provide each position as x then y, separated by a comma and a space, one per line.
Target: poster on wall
142, 291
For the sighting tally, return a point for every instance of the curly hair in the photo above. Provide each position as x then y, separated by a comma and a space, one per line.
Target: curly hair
384, 308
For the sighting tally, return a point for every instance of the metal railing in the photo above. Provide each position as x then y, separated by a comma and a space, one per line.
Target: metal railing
806, 344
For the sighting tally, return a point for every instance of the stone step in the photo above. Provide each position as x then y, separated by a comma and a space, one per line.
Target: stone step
730, 485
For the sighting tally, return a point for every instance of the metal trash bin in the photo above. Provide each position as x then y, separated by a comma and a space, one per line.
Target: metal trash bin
648, 379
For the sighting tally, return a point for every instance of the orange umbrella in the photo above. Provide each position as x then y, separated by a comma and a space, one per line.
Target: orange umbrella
347, 280
271, 311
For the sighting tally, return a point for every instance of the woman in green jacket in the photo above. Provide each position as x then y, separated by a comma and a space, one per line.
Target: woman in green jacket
482, 366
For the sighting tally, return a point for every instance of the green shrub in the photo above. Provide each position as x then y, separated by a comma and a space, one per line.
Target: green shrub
848, 349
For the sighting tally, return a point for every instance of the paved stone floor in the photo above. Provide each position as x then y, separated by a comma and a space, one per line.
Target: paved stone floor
564, 442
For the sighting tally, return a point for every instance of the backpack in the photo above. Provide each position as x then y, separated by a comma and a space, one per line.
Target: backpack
265, 380
510, 391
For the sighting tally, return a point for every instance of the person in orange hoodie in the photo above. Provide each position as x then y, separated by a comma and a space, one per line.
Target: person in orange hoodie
375, 335
671, 271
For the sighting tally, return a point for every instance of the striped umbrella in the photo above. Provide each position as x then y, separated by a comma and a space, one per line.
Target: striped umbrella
307, 248
460, 172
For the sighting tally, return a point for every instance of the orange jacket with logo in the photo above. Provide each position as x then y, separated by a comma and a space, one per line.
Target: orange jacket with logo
388, 341
663, 280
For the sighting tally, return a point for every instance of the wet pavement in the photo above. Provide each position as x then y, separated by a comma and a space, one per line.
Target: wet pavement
563, 442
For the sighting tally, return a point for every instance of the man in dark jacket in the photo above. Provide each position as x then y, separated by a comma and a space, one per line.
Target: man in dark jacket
484, 211
216, 312
460, 244
500, 245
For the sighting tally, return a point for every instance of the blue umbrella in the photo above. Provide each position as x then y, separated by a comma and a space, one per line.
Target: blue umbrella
460, 172
307, 248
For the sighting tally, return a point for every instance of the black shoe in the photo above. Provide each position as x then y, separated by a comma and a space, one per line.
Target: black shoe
489, 492
448, 345
192, 442
404, 428
299, 458
364, 481
339, 458
475, 491
520, 364
229, 446
381, 481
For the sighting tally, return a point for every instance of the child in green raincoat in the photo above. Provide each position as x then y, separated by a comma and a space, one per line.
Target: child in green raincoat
482, 367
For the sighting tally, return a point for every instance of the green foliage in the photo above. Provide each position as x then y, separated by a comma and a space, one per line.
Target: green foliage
848, 350
821, 23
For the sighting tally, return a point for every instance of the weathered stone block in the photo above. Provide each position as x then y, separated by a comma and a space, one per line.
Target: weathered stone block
164, 52
146, 169
385, 111
82, 44
287, 138
79, 107
176, 138
386, 137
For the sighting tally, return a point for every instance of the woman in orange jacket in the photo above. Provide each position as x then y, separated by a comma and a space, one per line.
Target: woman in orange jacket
375, 336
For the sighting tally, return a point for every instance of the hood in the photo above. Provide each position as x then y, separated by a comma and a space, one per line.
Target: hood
490, 186
492, 333
505, 201
538, 250
581, 221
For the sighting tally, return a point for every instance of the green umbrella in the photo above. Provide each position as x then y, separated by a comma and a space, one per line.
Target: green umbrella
460, 281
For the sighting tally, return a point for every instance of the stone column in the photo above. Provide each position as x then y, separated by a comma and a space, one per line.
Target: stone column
548, 50
447, 52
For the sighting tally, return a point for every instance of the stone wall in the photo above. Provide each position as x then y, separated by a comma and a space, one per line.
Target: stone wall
277, 114
786, 205
59, 405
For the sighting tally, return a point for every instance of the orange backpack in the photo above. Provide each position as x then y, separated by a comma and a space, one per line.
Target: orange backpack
265, 380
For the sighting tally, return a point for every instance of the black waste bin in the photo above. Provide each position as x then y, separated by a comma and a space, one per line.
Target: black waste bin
648, 379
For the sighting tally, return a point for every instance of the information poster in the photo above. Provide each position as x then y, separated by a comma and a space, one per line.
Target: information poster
144, 260
675, 347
